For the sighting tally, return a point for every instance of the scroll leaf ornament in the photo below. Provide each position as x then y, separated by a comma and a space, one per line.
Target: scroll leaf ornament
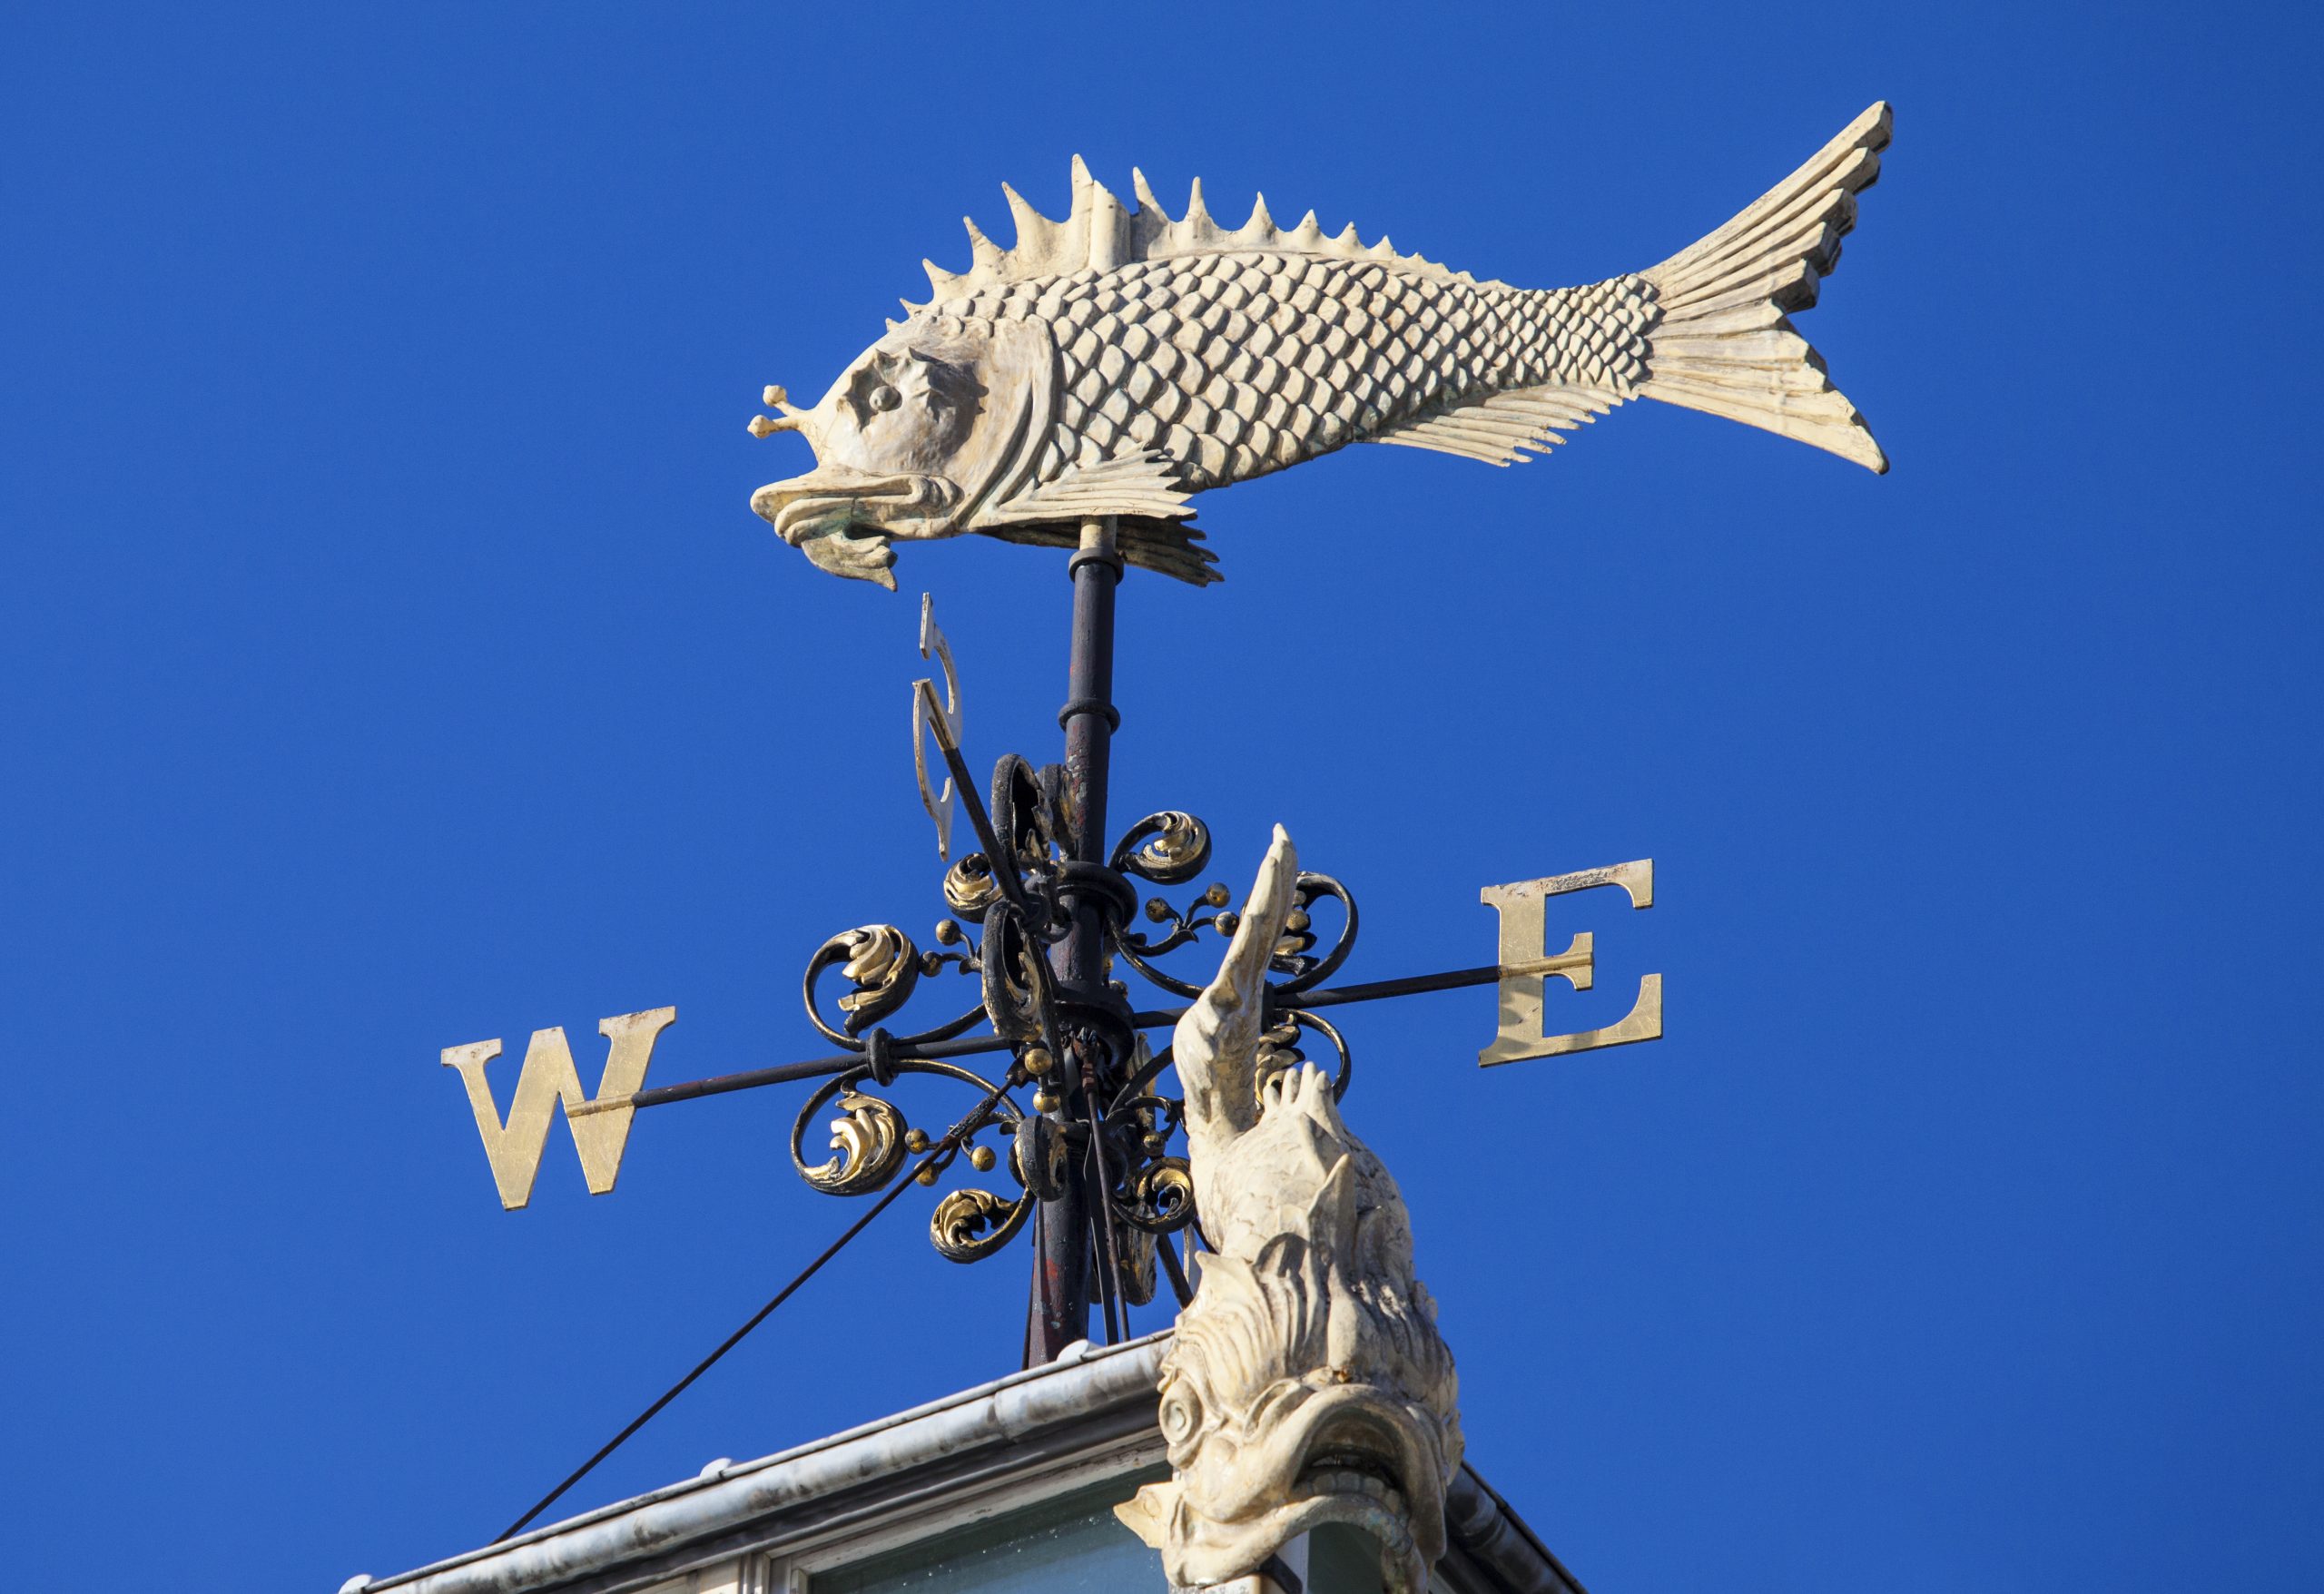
971, 1225
1175, 850
869, 1141
969, 887
883, 966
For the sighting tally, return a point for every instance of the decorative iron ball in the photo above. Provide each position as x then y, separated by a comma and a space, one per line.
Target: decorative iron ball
915, 1140
982, 1158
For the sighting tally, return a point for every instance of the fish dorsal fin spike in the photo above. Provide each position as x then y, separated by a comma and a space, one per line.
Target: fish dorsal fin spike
1042, 245
1150, 227
895, 325
1147, 205
986, 252
1031, 222
1260, 228
938, 278
1086, 192
909, 308
1197, 214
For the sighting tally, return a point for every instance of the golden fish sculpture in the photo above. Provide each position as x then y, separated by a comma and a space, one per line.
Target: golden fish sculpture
1117, 362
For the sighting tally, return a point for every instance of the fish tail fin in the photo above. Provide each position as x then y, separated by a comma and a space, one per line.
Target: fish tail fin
1724, 343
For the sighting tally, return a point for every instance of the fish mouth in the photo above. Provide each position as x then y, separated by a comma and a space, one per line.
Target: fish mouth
1360, 1469
841, 518
1362, 1460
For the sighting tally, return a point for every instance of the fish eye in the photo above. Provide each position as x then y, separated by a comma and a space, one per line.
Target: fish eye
1181, 1413
884, 398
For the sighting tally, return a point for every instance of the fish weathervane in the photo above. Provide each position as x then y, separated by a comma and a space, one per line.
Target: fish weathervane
1117, 362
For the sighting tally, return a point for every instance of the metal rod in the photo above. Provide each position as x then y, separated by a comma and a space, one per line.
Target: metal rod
1490, 974
1059, 1312
1101, 1209
786, 1073
1003, 861
1153, 1019
1166, 1253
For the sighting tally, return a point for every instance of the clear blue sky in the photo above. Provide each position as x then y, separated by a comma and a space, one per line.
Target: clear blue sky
391, 662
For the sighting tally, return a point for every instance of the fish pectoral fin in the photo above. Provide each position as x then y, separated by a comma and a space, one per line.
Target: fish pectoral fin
1501, 429
1141, 484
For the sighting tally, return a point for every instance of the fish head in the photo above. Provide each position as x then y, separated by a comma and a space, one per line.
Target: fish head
912, 437
1306, 1385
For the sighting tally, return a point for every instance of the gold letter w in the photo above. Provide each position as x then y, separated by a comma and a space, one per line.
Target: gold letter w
547, 1079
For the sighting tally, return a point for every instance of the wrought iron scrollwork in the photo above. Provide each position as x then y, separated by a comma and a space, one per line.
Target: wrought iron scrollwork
1011, 995
883, 969
1279, 1050
871, 1136
1021, 819
1038, 1156
1169, 848
882, 965
1021, 898
970, 1224
1162, 1196
970, 887
1292, 953
869, 1139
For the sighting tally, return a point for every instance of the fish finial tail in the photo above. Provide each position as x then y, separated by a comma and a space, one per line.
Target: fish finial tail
1725, 343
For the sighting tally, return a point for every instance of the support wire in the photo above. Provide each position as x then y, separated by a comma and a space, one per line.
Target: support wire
943, 1149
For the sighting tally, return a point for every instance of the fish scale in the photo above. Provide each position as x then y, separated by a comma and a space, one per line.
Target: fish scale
1279, 358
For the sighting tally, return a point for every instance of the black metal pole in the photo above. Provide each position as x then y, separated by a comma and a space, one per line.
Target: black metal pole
1059, 1311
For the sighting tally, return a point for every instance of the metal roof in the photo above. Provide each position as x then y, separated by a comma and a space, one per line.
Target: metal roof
984, 1450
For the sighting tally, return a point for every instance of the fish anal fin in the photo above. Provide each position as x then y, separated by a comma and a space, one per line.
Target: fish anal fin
1503, 429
